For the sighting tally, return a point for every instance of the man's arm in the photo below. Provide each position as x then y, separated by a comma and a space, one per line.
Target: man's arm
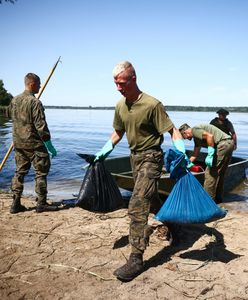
211, 150
116, 136
234, 137
209, 138
175, 134
195, 154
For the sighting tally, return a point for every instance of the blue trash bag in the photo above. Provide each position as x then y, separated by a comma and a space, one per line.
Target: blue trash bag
175, 163
188, 202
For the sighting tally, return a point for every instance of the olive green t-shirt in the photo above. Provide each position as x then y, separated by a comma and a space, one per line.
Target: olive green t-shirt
198, 130
144, 122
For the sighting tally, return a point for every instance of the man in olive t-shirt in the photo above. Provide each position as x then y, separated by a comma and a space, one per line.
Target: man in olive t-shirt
144, 120
220, 147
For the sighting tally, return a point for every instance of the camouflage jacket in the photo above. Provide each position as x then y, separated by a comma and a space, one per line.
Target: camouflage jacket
29, 122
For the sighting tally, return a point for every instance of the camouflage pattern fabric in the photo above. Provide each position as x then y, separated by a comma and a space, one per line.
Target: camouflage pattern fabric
29, 123
40, 161
147, 167
214, 176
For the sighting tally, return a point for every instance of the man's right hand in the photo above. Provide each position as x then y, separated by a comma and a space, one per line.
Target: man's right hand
105, 151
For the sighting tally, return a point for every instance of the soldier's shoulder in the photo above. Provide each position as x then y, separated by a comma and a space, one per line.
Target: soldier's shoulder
25, 95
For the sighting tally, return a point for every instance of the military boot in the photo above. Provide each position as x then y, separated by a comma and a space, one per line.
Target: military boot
131, 269
42, 206
16, 206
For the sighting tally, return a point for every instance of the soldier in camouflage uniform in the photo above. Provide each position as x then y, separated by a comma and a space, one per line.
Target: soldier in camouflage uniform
144, 120
220, 147
32, 141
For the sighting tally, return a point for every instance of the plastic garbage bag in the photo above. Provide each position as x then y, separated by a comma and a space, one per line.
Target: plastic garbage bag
188, 202
98, 191
175, 163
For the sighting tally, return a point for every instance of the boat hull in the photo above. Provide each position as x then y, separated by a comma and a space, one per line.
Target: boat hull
120, 169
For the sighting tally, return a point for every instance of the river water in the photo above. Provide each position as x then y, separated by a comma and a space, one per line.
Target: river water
85, 131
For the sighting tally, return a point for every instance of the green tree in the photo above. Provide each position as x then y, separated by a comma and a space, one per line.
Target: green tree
5, 97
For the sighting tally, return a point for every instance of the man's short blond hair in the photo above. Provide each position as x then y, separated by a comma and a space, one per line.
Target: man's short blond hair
124, 66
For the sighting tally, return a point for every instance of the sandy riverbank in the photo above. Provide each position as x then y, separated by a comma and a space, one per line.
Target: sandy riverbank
72, 253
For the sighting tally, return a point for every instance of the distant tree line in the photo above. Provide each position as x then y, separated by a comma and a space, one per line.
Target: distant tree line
167, 107
5, 97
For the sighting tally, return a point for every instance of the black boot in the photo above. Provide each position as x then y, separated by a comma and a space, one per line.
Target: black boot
131, 269
16, 206
44, 206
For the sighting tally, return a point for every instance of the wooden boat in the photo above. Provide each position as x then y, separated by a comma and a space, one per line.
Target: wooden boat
120, 169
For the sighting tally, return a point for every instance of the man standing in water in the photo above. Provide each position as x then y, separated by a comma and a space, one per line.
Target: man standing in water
144, 120
32, 141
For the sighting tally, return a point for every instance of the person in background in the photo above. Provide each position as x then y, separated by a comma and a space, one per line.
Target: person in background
144, 120
32, 141
220, 147
225, 125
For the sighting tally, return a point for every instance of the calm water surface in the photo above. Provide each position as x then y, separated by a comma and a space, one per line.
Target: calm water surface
86, 131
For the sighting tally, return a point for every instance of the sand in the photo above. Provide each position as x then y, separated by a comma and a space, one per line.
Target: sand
72, 253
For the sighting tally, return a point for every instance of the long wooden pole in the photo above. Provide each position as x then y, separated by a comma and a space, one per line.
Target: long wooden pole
39, 95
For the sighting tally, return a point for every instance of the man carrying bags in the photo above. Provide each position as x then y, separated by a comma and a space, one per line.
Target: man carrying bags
144, 120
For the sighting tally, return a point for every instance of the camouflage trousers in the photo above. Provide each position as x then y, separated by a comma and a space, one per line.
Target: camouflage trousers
39, 159
147, 168
214, 176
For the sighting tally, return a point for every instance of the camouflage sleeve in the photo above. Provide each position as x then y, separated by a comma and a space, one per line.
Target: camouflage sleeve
39, 120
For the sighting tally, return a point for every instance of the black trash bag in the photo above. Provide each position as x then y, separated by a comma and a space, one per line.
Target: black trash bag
98, 191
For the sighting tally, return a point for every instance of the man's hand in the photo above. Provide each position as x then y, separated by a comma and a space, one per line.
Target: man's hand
179, 145
105, 151
210, 156
50, 148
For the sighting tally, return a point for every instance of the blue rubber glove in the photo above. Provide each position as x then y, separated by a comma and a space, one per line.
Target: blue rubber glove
179, 145
50, 148
105, 151
210, 156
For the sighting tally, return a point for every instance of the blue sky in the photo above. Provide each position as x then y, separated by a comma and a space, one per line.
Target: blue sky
186, 52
